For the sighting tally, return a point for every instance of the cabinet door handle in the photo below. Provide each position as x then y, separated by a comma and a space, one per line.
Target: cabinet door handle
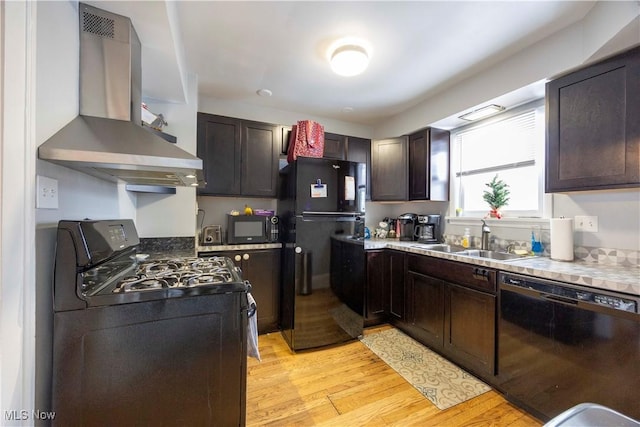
481, 274
237, 258
245, 257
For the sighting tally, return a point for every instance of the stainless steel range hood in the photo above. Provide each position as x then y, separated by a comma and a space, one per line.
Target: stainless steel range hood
107, 139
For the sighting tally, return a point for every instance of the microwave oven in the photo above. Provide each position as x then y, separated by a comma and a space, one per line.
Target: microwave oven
252, 229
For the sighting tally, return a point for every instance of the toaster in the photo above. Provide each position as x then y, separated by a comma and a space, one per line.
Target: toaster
211, 235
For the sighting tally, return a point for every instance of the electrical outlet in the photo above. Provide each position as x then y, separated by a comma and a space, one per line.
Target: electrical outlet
46, 193
586, 223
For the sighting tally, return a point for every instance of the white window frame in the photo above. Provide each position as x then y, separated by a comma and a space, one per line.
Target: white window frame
544, 201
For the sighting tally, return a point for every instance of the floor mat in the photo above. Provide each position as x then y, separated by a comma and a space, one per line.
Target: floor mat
439, 380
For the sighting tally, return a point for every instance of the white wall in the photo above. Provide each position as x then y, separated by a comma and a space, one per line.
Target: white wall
80, 195
609, 27
214, 210
56, 95
17, 283
618, 213
376, 211
173, 215
554, 55
279, 117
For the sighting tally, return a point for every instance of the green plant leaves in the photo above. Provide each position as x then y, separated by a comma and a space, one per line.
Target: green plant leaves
498, 196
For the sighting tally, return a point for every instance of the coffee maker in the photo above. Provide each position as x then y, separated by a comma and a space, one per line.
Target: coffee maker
427, 229
407, 226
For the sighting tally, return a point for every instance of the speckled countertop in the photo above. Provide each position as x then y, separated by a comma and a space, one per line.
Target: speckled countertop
247, 247
602, 276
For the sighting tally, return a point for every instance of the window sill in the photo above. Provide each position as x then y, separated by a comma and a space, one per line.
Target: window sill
506, 222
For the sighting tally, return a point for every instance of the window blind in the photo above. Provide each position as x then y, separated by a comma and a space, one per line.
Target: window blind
510, 148
507, 144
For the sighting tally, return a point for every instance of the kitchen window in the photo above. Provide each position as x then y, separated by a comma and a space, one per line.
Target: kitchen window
510, 145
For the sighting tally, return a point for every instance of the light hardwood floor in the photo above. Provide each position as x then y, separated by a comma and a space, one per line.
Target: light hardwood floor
348, 385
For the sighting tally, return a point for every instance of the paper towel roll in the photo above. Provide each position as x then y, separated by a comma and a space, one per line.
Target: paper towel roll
562, 239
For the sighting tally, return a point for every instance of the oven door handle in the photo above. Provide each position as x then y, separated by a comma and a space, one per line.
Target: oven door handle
251, 305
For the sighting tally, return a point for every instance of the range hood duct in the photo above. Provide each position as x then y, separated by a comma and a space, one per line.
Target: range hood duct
107, 139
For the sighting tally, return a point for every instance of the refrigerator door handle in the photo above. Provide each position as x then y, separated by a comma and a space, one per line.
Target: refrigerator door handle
303, 271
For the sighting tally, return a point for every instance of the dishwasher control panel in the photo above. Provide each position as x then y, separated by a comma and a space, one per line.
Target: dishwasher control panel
615, 302
569, 293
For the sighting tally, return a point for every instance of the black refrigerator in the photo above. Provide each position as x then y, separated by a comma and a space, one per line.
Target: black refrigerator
321, 206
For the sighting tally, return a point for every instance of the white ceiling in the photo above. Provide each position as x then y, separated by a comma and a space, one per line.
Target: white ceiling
419, 49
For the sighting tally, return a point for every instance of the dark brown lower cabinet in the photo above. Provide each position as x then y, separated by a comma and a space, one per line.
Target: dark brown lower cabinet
427, 308
377, 290
453, 311
446, 305
262, 269
470, 328
385, 287
397, 290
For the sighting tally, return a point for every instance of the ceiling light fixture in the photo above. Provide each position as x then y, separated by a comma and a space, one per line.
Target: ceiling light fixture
349, 59
264, 92
483, 112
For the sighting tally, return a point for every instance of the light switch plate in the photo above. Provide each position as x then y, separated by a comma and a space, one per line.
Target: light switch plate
586, 223
46, 193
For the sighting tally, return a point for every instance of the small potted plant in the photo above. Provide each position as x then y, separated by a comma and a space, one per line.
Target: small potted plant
497, 196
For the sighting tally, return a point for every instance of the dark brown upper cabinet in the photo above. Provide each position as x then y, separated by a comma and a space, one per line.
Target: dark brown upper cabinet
240, 157
429, 165
359, 150
389, 178
414, 167
334, 146
339, 147
593, 126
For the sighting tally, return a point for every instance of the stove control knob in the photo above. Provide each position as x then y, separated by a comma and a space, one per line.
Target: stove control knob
245, 257
237, 258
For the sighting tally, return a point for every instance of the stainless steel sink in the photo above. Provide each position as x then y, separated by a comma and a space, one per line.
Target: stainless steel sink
440, 247
481, 253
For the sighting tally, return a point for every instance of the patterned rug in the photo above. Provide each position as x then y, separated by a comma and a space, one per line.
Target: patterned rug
440, 381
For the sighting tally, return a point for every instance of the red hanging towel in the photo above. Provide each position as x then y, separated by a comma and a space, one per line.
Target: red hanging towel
306, 140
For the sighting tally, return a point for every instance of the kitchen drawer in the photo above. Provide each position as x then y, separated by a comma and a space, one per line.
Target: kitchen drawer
472, 276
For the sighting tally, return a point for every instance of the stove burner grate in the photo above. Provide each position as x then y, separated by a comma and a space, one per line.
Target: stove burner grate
142, 284
208, 279
178, 273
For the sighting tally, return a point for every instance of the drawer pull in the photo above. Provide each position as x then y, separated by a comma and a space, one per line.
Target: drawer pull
481, 274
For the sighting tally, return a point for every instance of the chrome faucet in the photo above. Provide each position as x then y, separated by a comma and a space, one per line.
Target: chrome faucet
485, 236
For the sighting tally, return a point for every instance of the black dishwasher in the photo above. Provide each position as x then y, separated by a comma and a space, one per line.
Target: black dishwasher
560, 345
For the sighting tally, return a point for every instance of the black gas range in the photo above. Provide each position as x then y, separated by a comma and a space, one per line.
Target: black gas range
101, 259
170, 334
